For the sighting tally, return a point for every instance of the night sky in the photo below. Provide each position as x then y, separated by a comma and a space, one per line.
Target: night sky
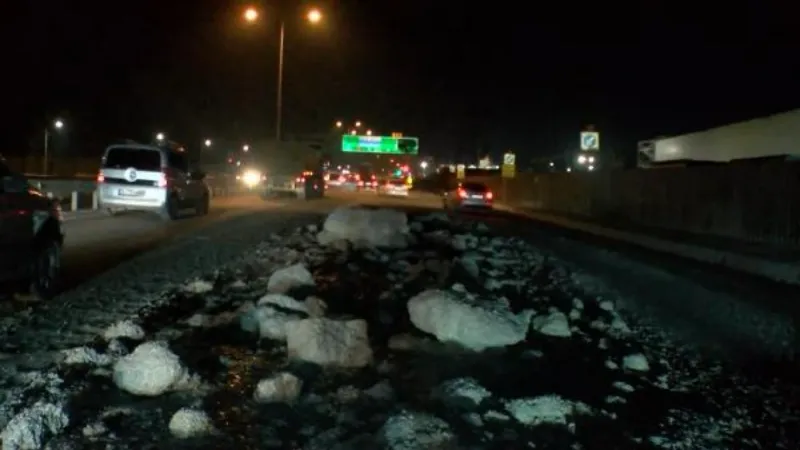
466, 77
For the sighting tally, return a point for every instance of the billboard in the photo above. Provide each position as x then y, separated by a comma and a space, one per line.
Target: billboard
380, 145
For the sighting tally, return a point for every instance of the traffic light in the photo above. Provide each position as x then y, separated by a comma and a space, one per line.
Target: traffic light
398, 172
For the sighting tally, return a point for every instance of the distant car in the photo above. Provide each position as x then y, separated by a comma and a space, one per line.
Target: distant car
31, 238
367, 183
151, 178
393, 188
335, 179
468, 195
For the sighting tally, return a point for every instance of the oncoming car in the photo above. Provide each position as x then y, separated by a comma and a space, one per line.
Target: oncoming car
151, 178
394, 188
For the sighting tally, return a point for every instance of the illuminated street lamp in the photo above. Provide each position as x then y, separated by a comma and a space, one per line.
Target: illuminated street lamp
314, 15
57, 124
208, 142
353, 132
246, 148
358, 123
339, 124
369, 132
250, 15
160, 136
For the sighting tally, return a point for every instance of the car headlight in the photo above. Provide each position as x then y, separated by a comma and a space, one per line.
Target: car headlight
251, 177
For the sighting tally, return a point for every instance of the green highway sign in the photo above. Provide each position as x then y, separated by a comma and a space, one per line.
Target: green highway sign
380, 144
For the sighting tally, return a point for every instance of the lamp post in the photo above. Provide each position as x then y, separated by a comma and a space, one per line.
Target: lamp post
251, 15
57, 124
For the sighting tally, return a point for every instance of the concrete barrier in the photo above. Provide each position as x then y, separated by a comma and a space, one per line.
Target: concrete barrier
758, 204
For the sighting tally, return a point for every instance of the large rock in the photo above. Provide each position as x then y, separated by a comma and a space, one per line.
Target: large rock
283, 387
150, 370
327, 342
472, 324
272, 316
282, 280
372, 227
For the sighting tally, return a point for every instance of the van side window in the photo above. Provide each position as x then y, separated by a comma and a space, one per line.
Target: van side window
178, 161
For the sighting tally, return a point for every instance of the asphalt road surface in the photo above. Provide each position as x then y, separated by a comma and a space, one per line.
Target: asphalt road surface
717, 309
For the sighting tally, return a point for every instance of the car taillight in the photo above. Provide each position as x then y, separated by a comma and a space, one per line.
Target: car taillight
162, 180
299, 180
360, 183
462, 193
101, 178
489, 195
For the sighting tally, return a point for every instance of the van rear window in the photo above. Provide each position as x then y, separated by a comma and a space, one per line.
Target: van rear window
138, 158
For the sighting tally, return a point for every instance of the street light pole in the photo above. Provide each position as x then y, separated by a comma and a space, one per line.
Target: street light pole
46, 150
279, 97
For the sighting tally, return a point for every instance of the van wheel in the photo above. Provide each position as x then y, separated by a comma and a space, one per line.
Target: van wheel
203, 206
170, 210
46, 268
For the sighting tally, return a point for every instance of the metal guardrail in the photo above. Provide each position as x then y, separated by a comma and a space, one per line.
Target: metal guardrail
80, 193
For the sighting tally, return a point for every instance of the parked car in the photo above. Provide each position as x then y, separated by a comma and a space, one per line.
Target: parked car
151, 178
31, 237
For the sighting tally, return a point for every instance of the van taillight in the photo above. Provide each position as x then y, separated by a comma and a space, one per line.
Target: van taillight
101, 178
162, 180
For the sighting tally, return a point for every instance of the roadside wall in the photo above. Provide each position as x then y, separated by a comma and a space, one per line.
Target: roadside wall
755, 203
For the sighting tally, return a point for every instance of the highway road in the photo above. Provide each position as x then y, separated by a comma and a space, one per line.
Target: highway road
712, 307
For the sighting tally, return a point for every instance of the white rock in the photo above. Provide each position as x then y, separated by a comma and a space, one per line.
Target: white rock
283, 302
554, 324
546, 409
124, 329
417, 431
282, 280
85, 355
188, 422
29, 429
340, 343
373, 227
197, 320
280, 388
94, 429
272, 316
462, 393
381, 391
476, 326
315, 306
199, 287
150, 370
636, 362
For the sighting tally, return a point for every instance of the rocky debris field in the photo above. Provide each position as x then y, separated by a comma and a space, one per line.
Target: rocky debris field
378, 330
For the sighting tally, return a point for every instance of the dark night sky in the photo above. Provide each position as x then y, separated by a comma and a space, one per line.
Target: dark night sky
461, 75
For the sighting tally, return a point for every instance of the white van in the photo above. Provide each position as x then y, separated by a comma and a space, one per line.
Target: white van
152, 178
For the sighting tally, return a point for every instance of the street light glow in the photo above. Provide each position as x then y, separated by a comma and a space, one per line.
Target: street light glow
246, 148
58, 124
250, 14
339, 124
208, 142
353, 132
358, 123
424, 164
314, 16
369, 132
160, 136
